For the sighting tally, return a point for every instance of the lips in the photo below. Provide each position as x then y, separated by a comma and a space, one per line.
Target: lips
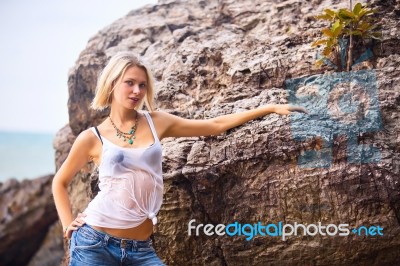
134, 99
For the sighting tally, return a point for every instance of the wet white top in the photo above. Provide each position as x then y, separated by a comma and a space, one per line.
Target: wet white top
130, 182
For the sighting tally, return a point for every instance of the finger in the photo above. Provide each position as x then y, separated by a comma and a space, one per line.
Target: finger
298, 109
73, 227
78, 223
79, 220
69, 231
302, 110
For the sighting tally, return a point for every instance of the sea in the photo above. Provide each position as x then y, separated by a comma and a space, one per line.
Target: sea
25, 155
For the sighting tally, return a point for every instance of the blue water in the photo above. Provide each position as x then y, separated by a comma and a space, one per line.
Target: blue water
26, 155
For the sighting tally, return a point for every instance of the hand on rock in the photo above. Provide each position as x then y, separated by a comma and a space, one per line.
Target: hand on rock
285, 109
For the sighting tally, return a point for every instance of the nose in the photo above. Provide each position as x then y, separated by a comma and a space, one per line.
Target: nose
136, 89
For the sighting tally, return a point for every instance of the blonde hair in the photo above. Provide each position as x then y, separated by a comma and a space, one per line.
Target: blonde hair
113, 71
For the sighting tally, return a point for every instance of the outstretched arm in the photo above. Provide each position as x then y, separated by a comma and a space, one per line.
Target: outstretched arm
174, 126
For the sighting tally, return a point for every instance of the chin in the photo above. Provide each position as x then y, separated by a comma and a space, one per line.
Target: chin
131, 106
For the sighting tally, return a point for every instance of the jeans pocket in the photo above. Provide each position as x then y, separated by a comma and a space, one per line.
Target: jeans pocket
86, 239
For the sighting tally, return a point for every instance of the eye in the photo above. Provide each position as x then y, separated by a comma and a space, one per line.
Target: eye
142, 86
129, 82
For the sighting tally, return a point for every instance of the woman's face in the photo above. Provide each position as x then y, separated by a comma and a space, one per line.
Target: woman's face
131, 88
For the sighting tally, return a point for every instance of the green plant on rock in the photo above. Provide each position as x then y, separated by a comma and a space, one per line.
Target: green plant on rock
348, 27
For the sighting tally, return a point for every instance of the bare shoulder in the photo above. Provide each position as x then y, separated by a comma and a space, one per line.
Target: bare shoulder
162, 115
82, 151
87, 146
87, 135
86, 140
162, 121
159, 116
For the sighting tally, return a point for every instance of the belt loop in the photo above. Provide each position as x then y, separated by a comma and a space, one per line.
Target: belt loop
135, 245
106, 238
123, 243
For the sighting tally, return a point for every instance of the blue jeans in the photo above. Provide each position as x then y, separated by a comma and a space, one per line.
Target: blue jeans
91, 247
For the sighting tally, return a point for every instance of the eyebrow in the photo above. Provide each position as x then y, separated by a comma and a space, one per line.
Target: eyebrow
126, 79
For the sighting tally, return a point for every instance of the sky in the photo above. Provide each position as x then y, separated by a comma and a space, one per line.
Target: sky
41, 40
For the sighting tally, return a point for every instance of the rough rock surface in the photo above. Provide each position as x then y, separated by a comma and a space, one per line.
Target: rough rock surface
218, 57
51, 251
27, 211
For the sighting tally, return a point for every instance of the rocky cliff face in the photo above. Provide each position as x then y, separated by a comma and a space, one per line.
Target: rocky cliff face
218, 57
27, 211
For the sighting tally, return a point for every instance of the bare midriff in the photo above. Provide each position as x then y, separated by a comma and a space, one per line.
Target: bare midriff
141, 232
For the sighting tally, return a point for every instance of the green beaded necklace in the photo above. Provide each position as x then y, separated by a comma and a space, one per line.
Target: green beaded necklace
130, 136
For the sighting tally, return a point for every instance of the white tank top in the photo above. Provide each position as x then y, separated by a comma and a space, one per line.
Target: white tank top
130, 183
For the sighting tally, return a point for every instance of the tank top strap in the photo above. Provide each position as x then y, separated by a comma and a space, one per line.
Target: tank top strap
97, 133
153, 129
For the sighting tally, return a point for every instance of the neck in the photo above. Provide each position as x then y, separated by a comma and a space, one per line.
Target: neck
123, 117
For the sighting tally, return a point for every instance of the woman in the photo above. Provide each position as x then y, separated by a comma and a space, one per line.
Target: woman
116, 226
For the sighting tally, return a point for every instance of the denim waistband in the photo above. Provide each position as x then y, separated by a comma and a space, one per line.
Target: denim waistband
120, 242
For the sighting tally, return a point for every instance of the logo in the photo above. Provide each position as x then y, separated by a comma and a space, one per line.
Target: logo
344, 103
280, 230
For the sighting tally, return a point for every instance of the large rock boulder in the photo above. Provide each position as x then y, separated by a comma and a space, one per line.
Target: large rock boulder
27, 211
218, 57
